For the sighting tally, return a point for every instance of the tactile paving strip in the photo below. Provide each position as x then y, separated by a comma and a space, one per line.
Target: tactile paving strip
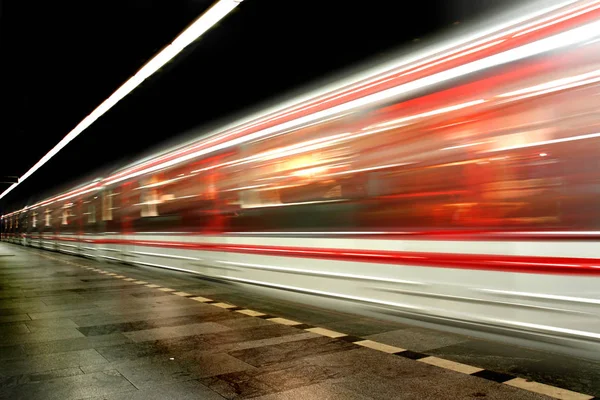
499, 377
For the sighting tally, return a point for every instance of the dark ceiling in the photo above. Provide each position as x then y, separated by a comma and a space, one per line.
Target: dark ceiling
61, 59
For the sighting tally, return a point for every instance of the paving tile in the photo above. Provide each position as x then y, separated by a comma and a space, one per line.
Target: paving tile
249, 344
289, 351
64, 313
175, 331
13, 311
10, 381
73, 387
12, 351
80, 343
105, 288
200, 343
156, 323
237, 336
188, 390
130, 351
244, 323
14, 318
103, 319
13, 329
146, 375
76, 305
42, 335
263, 381
60, 300
137, 305
36, 325
150, 293
46, 362
206, 365
319, 391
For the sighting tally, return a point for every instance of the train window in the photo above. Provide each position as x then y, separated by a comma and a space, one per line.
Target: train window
66, 213
149, 202
47, 217
107, 206
91, 214
34, 219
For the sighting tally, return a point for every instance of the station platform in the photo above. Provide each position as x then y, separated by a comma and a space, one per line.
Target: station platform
74, 328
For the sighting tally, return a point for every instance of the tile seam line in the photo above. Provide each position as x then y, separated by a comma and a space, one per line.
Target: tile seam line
399, 353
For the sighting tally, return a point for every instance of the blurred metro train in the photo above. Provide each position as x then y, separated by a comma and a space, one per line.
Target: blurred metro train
458, 187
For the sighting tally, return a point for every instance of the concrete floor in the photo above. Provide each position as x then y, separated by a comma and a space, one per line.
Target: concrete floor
67, 332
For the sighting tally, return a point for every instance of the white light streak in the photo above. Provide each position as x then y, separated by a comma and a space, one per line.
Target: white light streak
460, 146
322, 273
195, 30
291, 204
545, 142
433, 112
558, 83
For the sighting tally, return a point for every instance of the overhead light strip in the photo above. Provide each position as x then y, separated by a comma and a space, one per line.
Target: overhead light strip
213, 15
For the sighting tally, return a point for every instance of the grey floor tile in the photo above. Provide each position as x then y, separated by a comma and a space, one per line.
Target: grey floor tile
143, 376
320, 391
47, 362
267, 380
11, 381
92, 320
260, 356
12, 351
130, 351
80, 343
38, 324
206, 365
13, 329
157, 323
188, 390
365, 359
14, 318
242, 345
175, 331
73, 387
13, 310
75, 305
245, 323
64, 313
42, 335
